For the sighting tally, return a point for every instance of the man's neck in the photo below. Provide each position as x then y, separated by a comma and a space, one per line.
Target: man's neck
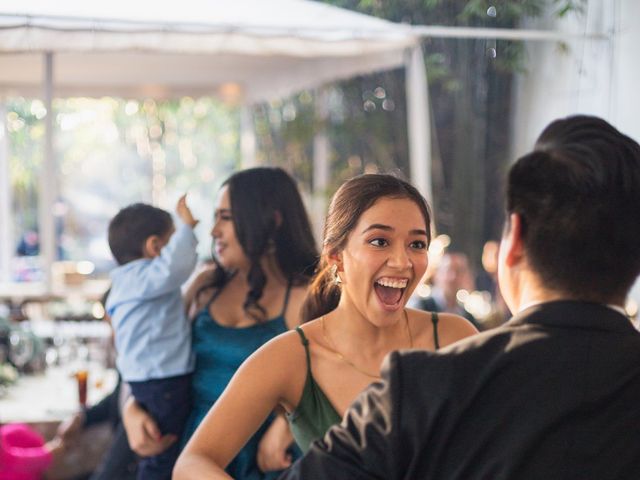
534, 294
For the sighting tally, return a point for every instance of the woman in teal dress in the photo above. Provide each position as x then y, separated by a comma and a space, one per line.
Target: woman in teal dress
375, 244
264, 256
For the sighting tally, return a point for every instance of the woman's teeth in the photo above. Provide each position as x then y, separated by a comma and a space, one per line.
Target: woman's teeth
393, 283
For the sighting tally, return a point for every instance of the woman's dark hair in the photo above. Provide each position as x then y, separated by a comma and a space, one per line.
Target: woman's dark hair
352, 199
578, 198
268, 216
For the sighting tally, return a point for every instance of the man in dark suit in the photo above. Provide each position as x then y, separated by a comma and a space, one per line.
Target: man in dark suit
555, 392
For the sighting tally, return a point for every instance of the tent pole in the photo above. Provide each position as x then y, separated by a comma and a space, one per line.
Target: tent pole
321, 167
247, 138
47, 196
418, 123
6, 227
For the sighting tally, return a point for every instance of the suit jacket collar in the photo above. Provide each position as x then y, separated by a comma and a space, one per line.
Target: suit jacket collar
574, 314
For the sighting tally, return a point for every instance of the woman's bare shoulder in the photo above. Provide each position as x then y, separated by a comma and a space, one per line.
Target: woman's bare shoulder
194, 292
451, 328
282, 362
297, 297
289, 347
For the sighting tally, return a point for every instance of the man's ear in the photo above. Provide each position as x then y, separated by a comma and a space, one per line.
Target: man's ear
151, 247
513, 242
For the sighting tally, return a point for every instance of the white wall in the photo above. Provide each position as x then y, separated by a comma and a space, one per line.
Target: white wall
565, 78
599, 77
626, 73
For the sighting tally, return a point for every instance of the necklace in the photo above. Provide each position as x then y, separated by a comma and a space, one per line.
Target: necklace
349, 362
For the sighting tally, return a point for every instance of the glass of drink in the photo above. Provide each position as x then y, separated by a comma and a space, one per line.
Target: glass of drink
81, 377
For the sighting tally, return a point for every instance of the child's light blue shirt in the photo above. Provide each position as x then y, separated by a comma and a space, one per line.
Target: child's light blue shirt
152, 332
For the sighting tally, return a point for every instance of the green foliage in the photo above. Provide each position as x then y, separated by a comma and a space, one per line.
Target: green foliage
508, 12
26, 131
111, 152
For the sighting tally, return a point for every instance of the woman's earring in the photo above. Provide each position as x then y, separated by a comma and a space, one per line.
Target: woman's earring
335, 278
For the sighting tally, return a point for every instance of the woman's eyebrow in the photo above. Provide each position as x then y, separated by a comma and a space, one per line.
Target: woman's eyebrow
380, 226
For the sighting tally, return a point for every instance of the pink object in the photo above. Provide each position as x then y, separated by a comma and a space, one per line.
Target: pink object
22, 453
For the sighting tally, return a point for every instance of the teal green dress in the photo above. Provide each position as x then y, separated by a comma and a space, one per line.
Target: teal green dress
219, 352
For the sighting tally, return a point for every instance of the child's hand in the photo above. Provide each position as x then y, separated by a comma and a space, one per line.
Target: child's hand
184, 212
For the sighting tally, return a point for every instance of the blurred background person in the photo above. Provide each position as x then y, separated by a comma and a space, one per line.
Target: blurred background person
487, 281
452, 275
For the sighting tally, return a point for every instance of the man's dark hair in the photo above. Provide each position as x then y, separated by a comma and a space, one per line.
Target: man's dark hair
578, 196
131, 227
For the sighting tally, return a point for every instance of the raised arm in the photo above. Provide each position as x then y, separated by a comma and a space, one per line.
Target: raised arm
266, 379
173, 266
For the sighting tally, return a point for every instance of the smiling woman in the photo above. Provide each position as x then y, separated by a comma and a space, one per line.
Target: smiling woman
374, 253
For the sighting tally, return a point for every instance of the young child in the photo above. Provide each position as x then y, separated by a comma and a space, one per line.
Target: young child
152, 333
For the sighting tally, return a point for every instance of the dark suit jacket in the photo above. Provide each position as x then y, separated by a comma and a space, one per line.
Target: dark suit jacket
552, 394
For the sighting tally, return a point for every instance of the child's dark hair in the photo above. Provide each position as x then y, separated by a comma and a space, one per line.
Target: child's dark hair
131, 227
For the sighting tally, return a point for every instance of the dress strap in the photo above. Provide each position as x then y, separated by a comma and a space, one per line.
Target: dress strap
434, 320
305, 344
286, 300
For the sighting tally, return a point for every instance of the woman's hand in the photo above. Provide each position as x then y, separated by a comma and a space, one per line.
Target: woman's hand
143, 433
272, 449
69, 428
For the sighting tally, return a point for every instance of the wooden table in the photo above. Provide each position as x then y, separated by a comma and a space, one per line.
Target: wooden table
53, 395
43, 401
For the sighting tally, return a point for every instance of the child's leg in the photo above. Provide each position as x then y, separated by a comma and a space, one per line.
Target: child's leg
168, 400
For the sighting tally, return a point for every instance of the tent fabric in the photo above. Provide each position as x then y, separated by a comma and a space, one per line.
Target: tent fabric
251, 50
244, 51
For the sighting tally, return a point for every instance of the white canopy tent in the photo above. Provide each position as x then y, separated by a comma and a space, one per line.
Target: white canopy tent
191, 47
245, 51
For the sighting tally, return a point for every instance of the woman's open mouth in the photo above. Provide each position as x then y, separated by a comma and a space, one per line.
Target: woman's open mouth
390, 290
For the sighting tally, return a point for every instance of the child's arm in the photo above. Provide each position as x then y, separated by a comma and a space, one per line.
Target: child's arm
177, 259
184, 212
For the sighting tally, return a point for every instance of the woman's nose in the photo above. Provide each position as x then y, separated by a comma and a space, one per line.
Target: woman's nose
399, 259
